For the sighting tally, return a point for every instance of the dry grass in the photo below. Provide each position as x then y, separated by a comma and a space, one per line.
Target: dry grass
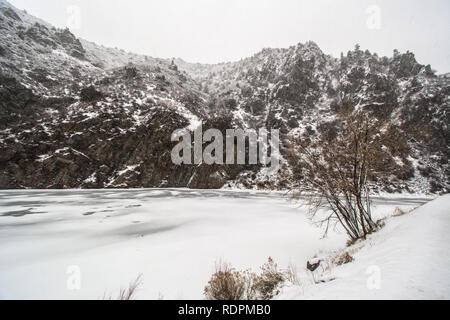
129, 293
291, 275
268, 283
398, 212
343, 258
228, 284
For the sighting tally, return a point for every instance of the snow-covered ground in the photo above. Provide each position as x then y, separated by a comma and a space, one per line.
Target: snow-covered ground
408, 259
174, 237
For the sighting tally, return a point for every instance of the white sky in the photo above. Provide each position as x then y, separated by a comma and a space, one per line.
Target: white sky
211, 31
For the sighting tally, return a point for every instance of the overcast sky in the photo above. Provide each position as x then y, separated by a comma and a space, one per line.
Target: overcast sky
211, 31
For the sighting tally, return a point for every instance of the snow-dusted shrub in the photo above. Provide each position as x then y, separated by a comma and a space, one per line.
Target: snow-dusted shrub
228, 284
268, 283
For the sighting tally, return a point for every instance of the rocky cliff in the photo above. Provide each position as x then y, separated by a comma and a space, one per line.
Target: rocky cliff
75, 114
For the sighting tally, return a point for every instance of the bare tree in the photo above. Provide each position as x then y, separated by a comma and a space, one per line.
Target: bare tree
336, 169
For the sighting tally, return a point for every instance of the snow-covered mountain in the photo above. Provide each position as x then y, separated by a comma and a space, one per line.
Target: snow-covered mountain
76, 114
300, 90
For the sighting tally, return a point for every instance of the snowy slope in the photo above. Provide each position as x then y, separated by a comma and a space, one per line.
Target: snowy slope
109, 58
411, 256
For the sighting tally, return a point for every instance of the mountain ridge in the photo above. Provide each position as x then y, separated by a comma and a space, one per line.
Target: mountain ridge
77, 114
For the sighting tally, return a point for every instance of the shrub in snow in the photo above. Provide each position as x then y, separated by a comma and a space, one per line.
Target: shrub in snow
228, 284
267, 284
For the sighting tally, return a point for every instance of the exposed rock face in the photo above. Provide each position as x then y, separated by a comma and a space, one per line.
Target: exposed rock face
10, 13
300, 90
74, 114
15, 100
90, 94
71, 44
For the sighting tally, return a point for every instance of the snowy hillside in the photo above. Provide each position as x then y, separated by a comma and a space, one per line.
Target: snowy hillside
409, 257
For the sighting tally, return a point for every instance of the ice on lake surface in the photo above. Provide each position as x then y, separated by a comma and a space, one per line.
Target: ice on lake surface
173, 237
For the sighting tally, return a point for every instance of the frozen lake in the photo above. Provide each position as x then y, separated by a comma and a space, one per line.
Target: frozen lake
173, 237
